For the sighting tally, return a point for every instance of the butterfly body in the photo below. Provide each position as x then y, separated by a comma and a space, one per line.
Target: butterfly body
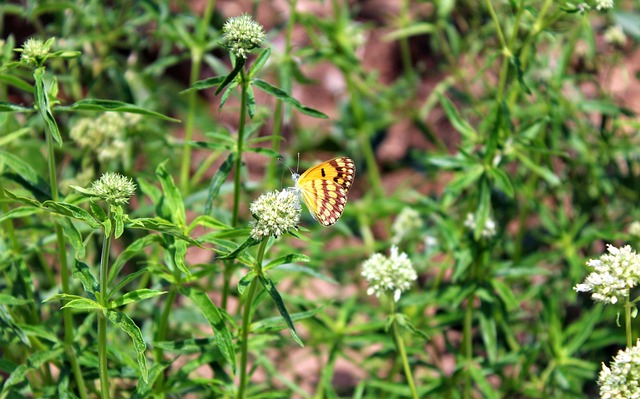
324, 188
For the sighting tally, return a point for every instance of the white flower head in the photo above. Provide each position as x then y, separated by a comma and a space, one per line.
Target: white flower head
242, 34
114, 188
408, 222
634, 229
614, 274
489, 229
35, 51
276, 213
393, 274
622, 380
106, 135
614, 35
604, 4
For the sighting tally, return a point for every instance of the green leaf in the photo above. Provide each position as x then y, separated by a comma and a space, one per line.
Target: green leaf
489, 334
249, 242
82, 272
479, 378
128, 326
227, 93
264, 151
290, 258
209, 222
179, 253
83, 304
484, 208
6, 299
260, 61
204, 84
415, 29
187, 346
118, 218
6, 106
97, 211
231, 76
273, 324
275, 295
19, 213
286, 98
245, 281
129, 278
172, 196
502, 181
89, 104
461, 125
216, 319
73, 211
74, 237
132, 250
135, 296
35, 361
43, 105
218, 179
161, 226
7, 323
13, 137
294, 268
251, 102
24, 170
17, 82
515, 61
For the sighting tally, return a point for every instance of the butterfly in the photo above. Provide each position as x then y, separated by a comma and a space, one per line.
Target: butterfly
324, 188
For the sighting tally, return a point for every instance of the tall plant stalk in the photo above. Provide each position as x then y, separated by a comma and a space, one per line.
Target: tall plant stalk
103, 366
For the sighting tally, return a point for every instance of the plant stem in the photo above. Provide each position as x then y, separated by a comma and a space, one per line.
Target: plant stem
246, 316
64, 272
161, 334
239, 148
103, 366
627, 320
402, 350
196, 63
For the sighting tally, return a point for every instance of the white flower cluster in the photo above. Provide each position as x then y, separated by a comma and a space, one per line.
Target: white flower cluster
604, 4
614, 275
242, 34
106, 135
615, 35
393, 274
407, 223
489, 229
114, 188
276, 213
622, 380
34, 51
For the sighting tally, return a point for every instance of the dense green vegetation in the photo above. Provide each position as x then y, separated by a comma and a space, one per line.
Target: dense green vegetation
151, 245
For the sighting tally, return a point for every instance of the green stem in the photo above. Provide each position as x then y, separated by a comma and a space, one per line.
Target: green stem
246, 316
403, 353
466, 343
506, 52
627, 320
103, 366
196, 63
161, 334
64, 272
239, 148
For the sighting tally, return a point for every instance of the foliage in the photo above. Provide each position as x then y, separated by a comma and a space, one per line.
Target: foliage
166, 292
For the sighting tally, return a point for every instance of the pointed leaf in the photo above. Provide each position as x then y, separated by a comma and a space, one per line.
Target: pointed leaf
135, 296
231, 76
286, 98
204, 84
216, 319
217, 181
260, 61
128, 326
36, 360
89, 104
73, 211
249, 242
173, 198
290, 258
82, 272
83, 304
43, 105
275, 295
245, 281
6, 106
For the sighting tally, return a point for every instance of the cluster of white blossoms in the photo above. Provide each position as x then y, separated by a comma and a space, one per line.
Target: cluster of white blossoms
106, 135
613, 276
389, 274
408, 222
604, 4
114, 188
489, 229
622, 380
34, 51
242, 34
276, 213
